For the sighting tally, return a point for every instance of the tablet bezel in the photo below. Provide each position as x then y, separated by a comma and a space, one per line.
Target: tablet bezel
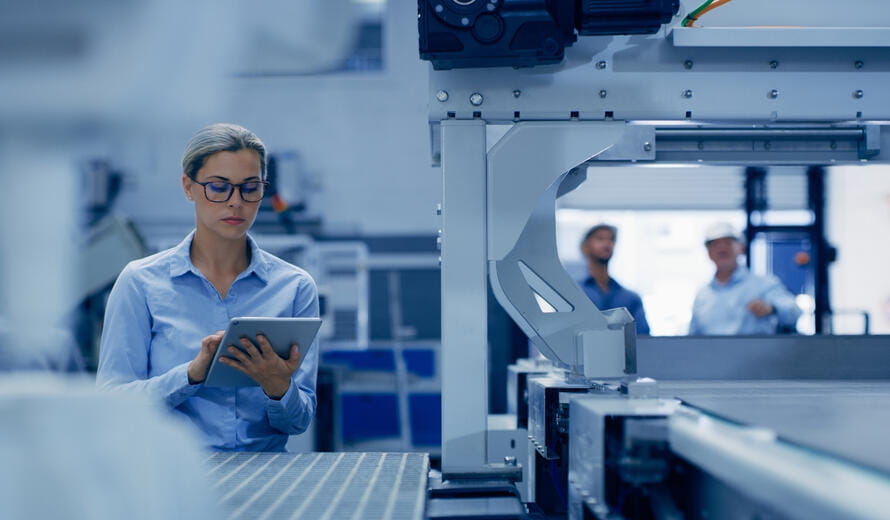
281, 332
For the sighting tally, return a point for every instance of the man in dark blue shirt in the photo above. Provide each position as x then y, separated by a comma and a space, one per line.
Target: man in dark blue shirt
597, 247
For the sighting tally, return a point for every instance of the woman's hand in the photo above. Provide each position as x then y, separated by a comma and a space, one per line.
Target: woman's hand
197, 371
263, 365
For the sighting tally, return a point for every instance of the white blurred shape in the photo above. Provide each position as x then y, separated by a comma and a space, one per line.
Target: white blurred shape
297, 36
69, 451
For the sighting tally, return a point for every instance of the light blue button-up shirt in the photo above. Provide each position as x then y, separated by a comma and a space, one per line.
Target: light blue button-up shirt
160, 309
722, 309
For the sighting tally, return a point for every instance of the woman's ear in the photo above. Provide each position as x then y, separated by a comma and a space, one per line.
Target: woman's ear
187, 186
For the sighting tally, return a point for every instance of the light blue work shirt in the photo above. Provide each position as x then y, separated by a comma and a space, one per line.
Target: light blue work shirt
722, 308
160, 309
617, 296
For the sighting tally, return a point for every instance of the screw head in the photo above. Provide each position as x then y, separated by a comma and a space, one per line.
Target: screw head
647, 147
601, 64
517, 93
442, 96
465, 21
439, 8
687, 93
476, 99
773, 94
688, 64
603, 93
774, 64
858, 94
858, 64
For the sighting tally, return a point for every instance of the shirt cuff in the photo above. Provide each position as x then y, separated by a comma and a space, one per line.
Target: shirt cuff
184, 389
286, 401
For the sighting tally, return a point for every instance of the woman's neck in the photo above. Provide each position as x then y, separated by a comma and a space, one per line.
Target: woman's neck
215, 257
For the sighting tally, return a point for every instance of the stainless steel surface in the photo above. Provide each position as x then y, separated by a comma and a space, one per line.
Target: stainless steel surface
845, 419
764, 357
359, 486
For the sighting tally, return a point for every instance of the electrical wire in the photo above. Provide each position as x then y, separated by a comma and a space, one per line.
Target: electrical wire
706, 7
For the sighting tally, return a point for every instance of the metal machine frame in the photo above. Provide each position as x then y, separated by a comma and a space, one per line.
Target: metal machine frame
512, 141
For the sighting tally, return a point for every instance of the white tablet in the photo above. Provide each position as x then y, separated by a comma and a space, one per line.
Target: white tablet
281, 333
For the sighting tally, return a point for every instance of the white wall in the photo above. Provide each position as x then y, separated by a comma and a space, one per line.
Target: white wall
364, 136
859, 226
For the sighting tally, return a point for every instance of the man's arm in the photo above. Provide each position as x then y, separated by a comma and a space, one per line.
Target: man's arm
782, 301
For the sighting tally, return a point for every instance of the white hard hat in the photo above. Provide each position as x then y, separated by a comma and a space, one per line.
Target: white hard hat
720, 230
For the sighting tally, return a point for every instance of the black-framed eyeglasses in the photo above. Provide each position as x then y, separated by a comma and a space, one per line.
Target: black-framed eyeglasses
221, 191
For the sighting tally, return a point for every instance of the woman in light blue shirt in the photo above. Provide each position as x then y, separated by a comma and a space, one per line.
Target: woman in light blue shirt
166, 312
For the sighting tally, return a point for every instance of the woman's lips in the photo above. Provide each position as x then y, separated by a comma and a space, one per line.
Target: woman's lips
233, 220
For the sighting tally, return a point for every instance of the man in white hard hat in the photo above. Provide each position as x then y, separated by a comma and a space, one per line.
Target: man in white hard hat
737, 301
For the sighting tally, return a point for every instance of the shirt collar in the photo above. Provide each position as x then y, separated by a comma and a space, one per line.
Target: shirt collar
590, 281
182, 259
741, 272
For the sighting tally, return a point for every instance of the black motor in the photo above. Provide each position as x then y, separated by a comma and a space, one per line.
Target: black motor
525, 33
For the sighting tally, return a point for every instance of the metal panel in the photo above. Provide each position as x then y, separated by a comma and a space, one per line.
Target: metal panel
764, 357
357, 486
798, 483
846, 419
464, 296
781, 37
647, 78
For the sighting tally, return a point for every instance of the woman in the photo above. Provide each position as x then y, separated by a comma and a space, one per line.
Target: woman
163, 310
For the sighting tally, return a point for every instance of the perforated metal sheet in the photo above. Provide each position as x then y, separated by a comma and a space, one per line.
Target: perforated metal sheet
338, 486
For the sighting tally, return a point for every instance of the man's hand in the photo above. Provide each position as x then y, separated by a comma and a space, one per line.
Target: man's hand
760, 308
197, 370
263, 365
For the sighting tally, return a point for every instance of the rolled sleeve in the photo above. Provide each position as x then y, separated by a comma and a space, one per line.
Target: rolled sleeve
782, 301
125, 344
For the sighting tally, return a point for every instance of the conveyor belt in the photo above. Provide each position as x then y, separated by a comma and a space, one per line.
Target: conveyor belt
845, 419
338, 486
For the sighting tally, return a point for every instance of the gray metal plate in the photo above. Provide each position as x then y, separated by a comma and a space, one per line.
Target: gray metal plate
846, 419
320, 485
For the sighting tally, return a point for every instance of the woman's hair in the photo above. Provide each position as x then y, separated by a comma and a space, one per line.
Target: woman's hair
220, 137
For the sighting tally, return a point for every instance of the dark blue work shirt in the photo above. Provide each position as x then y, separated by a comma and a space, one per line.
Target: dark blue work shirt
617, 296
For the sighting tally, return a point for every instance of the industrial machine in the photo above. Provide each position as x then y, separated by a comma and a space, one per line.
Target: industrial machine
621, 427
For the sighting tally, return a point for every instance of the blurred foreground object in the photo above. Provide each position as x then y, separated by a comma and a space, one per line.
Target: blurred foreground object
70, 451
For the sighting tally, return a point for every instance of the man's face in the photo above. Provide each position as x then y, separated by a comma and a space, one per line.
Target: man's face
600, 246
724, 252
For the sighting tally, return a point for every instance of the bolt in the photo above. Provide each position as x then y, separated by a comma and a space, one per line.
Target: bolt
774, 64
701, 145
510, 461
601, 65
858, 64
438, 209
490, 7
517, 93
647, 147
439, 243
465, 21
688, 64
773, 94
687, 93
442, 96
440, 261
603, 93
476, 99
858, 94
767, 145
833, 145
439, 8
